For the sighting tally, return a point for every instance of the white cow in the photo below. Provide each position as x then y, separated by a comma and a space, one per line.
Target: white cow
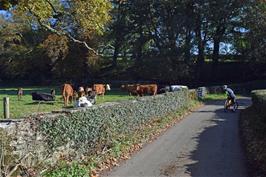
83, 102
177, 87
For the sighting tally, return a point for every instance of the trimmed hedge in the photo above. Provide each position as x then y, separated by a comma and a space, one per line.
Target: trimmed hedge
253, 130
259, 99
91, 129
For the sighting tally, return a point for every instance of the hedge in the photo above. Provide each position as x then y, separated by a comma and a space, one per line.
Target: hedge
253, 130
259, 99
91, 129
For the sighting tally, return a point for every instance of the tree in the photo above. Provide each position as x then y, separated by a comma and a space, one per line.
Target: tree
223, 16
118, 28
250, 38
67, 17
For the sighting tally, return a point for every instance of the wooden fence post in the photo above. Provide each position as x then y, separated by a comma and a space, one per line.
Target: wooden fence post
6, 108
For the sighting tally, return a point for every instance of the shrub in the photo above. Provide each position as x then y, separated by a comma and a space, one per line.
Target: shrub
259, 99
253, 128
92, 129
73, 170
193, 94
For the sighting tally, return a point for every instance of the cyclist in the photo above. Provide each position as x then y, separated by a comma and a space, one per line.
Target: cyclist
230, 95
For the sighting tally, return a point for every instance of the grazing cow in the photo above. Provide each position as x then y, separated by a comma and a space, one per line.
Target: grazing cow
91, 96
19, 93
130, 88
81, 89
150, 89
88, 90
100, 88
81, 92
67, 93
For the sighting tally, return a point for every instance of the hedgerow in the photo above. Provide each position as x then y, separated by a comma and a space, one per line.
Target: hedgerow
259, 99
93, 129
253, 128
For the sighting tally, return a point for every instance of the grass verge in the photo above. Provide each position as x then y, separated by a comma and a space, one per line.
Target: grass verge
124, 146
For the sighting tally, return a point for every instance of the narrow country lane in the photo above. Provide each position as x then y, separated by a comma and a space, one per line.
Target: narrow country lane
205, 144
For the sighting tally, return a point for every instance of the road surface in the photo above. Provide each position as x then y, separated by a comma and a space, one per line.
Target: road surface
205, 144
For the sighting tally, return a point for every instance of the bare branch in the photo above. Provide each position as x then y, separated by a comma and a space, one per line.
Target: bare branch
52, 6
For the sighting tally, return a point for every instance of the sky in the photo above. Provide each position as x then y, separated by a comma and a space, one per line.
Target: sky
5, 14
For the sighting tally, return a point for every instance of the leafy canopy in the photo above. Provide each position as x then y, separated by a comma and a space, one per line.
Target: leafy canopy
72, 18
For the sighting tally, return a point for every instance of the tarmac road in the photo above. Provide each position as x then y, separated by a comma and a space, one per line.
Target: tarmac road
205, 144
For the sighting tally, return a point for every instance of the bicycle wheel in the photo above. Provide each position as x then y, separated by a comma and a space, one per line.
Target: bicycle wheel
235, 106
225, 105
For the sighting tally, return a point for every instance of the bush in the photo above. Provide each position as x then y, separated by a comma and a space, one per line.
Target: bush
73, 170
259, 99
193, 94
253, 129
90, 130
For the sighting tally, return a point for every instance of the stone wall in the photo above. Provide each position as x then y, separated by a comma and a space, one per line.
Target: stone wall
43, 139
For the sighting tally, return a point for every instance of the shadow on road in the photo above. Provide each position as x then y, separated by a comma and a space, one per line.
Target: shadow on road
218, 151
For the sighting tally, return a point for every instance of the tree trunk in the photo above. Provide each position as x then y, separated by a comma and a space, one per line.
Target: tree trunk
115, 55
201, 59
201, 54
139, 55
216, 43
216, 48
200, 42
138, 48
188, 46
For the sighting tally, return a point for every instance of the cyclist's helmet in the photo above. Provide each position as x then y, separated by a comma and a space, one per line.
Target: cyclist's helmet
224, 87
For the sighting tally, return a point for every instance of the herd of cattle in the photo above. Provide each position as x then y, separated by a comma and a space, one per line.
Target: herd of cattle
87, 95
82, 93
69, 94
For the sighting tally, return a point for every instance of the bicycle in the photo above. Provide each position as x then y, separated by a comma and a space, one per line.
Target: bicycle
229, 103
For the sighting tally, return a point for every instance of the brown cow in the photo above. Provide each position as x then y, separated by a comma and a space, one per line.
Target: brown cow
100, 88
67, 93
150, 89
130, 88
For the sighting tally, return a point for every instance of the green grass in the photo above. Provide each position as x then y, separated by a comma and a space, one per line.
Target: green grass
215, 97
212, 97
27, 106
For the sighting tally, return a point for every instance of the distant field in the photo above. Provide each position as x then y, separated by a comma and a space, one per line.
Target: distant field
27, 106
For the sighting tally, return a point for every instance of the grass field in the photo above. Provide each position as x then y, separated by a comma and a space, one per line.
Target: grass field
212, 97
220, 96
27, 106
